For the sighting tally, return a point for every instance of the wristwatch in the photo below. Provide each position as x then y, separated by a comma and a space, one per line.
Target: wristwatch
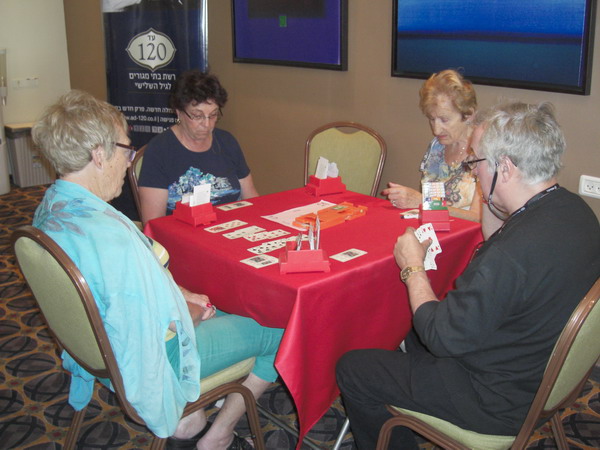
408, 271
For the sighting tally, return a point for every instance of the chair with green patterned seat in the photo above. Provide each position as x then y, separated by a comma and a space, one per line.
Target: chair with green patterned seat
358, 151
572, 360
70, 310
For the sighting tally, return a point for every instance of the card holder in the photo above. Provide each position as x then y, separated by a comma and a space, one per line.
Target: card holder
325, 186
439, 218
302, 261
195, 215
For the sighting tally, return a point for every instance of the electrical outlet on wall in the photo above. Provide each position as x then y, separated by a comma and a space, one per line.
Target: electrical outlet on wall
589, 186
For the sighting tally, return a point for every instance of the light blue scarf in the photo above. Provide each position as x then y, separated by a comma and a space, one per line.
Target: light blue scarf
137, 300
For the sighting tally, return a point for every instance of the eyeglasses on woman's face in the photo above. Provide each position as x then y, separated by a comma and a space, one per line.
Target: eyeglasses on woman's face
130, 150
471, 164
212, 118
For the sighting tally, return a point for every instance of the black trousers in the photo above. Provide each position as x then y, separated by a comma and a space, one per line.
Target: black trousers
416, 380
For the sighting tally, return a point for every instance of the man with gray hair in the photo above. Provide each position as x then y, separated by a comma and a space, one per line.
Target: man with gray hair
477, 358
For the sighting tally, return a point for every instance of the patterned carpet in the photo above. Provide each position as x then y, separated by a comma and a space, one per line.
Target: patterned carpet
34, 413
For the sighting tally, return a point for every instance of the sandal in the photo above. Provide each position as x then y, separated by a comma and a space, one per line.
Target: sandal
174, 443
239, 443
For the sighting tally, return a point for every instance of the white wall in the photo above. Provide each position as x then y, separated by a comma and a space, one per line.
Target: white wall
33, 34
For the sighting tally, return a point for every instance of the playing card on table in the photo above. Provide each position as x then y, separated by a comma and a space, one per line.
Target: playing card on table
236, 205
422, 233
225, 226
243, 232
267, 247
259, 261
348, 255
265, 235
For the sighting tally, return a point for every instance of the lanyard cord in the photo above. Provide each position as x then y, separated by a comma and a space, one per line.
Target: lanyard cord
531, 201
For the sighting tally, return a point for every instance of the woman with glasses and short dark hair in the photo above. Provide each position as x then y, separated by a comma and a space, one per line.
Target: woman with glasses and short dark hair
449, 103
193, 151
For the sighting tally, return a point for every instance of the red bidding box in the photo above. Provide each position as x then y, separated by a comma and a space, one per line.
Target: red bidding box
317, 186
438, 218
297, 261
195, 215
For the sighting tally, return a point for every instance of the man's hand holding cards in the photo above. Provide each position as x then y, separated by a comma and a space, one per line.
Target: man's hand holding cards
423, 233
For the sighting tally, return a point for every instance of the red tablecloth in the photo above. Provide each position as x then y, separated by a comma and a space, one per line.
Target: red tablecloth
359, 304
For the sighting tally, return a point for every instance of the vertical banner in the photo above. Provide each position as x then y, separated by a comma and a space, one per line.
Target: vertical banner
148, 44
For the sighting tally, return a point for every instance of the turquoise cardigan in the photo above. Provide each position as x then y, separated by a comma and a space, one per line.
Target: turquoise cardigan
137, 300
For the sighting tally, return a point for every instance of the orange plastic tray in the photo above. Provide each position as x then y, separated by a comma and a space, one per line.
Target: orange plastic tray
334, 215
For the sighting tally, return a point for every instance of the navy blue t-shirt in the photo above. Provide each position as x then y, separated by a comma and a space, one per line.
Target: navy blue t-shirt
169, 165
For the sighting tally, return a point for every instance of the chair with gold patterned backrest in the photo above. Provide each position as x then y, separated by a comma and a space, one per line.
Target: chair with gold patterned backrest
358, 151
69, 308
133, 172
572, 360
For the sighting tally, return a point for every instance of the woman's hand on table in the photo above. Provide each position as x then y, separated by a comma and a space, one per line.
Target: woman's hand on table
199, 306
402, 197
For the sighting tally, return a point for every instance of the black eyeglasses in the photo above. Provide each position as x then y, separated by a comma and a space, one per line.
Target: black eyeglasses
493, 208
131, 150
214, 117
471, 164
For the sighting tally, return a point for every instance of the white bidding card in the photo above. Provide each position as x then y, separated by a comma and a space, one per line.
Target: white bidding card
433, 189
332, 170
322, 168
201, 195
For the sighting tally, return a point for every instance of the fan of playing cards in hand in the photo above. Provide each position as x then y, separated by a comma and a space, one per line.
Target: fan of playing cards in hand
423, 233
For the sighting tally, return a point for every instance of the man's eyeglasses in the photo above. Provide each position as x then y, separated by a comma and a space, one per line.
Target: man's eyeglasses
131, 150
214, 117
471, 164
493, 208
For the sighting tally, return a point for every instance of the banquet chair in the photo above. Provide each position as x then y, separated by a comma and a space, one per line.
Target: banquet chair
133, 173
358, 151
69, 308
570, 364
